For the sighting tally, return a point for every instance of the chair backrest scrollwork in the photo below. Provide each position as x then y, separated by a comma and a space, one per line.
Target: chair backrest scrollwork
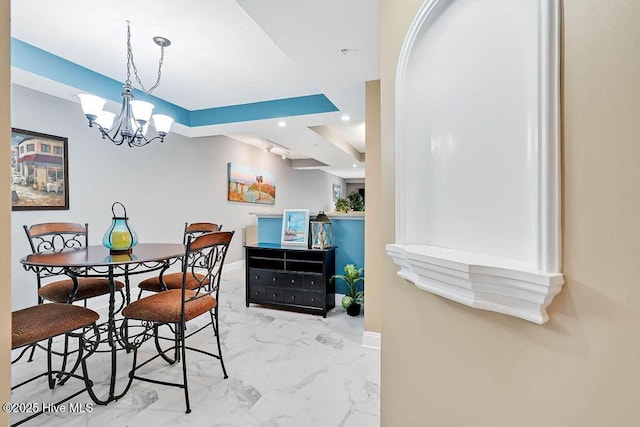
196, 229
205, 257
55, 236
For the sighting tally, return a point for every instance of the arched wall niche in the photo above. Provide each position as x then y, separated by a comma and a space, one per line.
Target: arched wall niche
477, 154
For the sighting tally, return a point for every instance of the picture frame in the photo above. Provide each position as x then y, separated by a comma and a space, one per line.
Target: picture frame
39, 171
295, 227
250, 185
337, 191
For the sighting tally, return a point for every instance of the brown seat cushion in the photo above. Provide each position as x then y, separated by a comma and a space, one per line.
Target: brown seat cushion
44, 321
173, 281
164, 307
88, 287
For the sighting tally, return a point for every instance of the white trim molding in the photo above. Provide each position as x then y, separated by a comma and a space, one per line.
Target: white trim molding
371, 340
479, 281
478, 154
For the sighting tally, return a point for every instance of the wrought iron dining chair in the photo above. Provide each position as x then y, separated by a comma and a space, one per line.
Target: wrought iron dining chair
56, 236
174, 280
202, 263
44, 322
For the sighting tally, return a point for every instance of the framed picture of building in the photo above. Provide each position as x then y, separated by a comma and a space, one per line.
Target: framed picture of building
39, 171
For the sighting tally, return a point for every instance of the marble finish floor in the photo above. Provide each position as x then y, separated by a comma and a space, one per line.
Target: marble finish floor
285, 369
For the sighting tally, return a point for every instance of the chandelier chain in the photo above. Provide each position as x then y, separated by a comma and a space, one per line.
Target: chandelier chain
132, 64
131, 124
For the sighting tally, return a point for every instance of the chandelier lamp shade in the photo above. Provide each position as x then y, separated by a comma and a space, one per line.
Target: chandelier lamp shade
132, 124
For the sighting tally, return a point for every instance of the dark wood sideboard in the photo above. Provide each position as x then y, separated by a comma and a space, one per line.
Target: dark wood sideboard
290, 277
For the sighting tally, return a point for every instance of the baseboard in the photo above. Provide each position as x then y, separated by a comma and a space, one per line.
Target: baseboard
371, 340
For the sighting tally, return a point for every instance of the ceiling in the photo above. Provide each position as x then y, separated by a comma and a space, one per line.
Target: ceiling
223, 53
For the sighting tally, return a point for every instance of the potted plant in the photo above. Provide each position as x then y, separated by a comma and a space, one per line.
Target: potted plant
353, 298
343, 204
356, 201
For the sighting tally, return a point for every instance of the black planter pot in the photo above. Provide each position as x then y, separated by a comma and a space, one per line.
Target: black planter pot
354, 309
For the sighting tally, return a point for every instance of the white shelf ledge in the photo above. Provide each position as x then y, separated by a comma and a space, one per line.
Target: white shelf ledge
479, 281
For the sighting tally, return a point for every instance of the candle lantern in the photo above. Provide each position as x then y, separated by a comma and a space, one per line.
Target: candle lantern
120, 237
321, 232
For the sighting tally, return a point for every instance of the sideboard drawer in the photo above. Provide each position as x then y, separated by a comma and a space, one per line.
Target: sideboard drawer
293, 280
313, 282
273, 294
294, 297
314, 299
257, 293
261, 276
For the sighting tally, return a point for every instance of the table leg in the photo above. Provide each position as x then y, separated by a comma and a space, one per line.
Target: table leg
110, 333
113, 342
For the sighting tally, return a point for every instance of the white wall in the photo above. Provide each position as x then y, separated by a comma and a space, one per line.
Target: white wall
162, 185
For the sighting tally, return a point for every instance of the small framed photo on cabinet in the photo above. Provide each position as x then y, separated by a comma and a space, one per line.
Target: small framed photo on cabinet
295, 227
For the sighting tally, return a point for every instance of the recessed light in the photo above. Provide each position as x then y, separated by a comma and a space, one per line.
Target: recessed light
345, 117
282, 124
354, 165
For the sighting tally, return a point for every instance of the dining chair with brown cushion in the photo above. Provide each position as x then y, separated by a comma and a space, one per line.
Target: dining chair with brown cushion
57, 236
44, 322
174, 280
202, 263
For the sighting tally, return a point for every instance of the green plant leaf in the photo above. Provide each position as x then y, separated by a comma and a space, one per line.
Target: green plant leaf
346, 301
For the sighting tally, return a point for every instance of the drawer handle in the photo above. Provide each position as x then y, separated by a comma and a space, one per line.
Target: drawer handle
293, 297
313, 282
313, 299
257, 277
293, 280
275, 294
273, 279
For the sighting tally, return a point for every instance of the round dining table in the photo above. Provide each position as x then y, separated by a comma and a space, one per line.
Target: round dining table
97, 261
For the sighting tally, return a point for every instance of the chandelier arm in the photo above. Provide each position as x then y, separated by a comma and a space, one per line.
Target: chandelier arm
105, 135
142, 140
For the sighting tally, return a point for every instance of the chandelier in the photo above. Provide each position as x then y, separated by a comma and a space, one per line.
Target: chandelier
132, 123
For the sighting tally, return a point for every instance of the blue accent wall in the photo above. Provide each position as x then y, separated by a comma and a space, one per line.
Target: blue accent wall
311, 104
52, 67
348, 237
269, 230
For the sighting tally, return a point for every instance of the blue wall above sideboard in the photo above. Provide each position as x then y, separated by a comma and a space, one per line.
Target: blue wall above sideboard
348, 238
